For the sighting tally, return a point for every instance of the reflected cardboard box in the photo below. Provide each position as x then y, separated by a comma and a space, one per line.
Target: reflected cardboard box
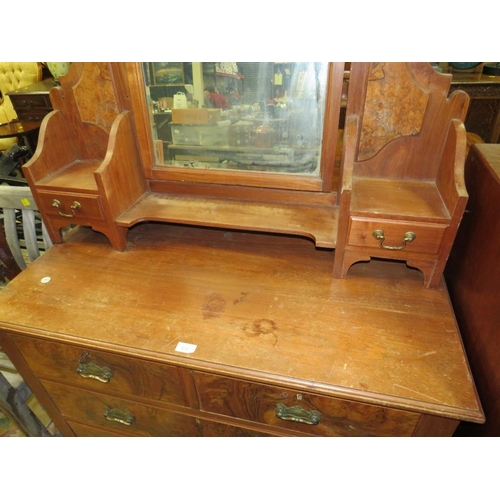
196, 115
200, 134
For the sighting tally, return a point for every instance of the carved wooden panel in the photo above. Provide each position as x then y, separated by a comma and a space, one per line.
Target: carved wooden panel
394, 107
483, 117
95, 96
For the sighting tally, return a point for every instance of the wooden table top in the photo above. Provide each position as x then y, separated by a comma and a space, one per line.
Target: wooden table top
256, 306
17, 128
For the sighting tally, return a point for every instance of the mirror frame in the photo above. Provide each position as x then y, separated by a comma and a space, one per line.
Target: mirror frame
166, 178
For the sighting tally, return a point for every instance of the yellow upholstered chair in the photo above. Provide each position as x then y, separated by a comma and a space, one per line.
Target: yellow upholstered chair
13, 76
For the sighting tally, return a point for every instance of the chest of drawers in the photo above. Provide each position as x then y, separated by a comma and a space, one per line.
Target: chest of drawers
32, 103
200, 332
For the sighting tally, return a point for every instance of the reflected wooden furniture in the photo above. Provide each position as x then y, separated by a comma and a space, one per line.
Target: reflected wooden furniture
204, 332
473, 277
402, 193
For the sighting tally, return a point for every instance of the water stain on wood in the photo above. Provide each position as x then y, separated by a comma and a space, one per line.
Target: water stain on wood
261, 327
214, 306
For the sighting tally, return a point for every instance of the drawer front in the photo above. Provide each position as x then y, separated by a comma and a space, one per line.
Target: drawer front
208, 429
103, 372
428, 236
32, 114
119, 415
75, 206
20, 101
275, 406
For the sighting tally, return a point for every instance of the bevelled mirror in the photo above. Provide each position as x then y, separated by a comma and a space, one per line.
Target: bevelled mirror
261, 121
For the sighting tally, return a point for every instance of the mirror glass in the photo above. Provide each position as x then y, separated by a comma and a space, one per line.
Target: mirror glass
245, 116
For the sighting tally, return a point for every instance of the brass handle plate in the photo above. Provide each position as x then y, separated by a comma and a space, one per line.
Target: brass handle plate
297, 414
379, 235
93, 371
119, 416
74, 206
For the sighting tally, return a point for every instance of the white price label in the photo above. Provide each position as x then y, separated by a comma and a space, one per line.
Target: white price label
186, 348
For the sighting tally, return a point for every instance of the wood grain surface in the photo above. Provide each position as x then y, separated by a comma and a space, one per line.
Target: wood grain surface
259, 307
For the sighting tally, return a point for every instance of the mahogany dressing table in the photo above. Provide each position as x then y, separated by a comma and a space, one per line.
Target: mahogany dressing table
209, 300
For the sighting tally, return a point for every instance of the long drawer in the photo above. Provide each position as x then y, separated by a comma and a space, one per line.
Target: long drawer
92, 414
103, 372
299, 412
119, 415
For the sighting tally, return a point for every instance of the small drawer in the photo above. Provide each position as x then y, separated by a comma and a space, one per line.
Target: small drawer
102, 372
299, 412
31, 101
73, 205
119, 415
427, 236
31, 115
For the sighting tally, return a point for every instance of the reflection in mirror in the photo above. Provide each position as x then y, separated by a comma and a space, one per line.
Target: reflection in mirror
247, 116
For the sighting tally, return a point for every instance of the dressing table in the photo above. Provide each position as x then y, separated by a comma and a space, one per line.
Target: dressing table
202, 296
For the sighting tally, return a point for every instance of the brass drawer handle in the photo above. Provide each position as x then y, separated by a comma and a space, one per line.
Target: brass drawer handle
74, 206
93, 371
408, 237
116, 415
297, 414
